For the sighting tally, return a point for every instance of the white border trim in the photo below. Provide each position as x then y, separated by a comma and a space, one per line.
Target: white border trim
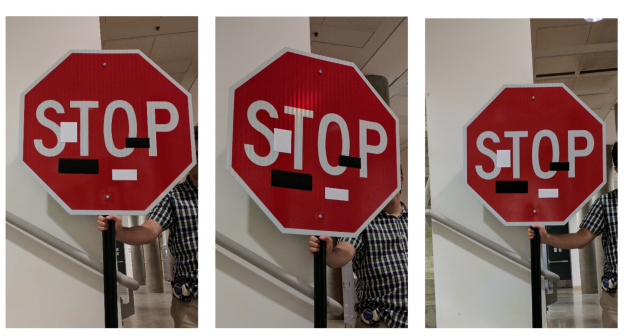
528, 86
231, 104
101, 212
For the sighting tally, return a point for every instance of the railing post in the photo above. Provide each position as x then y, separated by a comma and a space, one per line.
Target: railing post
535, 275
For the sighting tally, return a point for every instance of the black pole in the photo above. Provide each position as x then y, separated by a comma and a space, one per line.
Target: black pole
319, 288
535, 276
109, 261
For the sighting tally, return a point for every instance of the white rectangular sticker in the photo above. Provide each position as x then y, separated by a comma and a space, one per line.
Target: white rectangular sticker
282, 140
124, 174
504, 158
69, 132
336, 194
548, 193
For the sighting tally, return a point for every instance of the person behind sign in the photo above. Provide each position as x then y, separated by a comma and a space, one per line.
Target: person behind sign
380, 261
178, 212
600, 220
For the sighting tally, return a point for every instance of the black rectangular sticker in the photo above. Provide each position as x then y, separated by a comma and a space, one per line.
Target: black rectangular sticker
350, 161
511, 187
78, 166
559, 166
137, 142
285, 179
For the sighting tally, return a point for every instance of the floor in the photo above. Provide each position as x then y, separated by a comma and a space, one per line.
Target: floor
575, 310
152, 310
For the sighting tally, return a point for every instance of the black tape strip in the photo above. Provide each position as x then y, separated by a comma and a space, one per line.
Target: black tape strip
559, 166
511, 187
285, 179
137, 142
350, 161
78, 166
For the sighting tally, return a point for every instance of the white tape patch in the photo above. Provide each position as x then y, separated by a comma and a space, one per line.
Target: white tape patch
336, 194
69, 132
282, 141
124, 174
548, 193
504, 158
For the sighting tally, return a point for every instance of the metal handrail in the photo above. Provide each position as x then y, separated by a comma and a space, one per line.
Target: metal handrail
237, 249
66, 248
488, 243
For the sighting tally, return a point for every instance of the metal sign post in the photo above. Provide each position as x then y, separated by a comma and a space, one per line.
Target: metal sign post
109, 261
319, 286
535, 276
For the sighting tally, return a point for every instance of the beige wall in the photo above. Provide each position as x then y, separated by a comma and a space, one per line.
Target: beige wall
467, 61
245, 296
45, 288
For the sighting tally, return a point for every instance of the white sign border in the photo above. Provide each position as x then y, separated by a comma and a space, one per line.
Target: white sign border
231, 102
531, 86
105, 212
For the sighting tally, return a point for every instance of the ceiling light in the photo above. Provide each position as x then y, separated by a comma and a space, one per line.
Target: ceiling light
592, 20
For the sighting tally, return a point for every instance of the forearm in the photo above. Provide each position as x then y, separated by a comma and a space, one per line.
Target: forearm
338, 258
137, 235
565, 241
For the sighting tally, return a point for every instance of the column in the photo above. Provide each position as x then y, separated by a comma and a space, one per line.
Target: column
152, 255
136, 253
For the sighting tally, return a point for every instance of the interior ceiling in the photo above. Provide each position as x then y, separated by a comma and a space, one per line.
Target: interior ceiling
171, 42
377, 46
581, 55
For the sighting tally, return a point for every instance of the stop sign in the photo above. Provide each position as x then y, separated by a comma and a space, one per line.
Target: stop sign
534, 154
106, 132
313, 144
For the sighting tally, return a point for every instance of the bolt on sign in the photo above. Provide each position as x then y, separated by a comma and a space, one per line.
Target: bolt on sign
534, 154
313, 144
106, 131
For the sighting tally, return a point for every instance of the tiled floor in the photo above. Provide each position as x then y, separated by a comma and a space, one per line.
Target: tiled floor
151, 310
575, 310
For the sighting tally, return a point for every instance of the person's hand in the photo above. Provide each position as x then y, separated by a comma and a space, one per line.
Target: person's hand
542, 232
103, 223
314, 244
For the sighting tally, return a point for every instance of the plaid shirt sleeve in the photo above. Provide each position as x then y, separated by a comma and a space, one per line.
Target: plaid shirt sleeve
162, 213
356, 242
595, 220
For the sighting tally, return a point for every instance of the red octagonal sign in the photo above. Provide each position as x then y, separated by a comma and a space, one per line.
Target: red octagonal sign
106, 132
534, 154
313, 144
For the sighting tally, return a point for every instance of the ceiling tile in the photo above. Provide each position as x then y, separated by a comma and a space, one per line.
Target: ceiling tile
118, 19
148, 27
593, 101
592, 82
338, 35
604, 31
556, 37
404, 133
569, 82
391, 60
360, 23
548, 65
404, 91
175, 47
599, 60
174, 66
142, 43
335, 51
399, 105
316, 20
178, 77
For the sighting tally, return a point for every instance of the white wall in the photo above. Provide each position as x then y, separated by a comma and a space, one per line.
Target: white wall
245, 297
467, 61
44, 288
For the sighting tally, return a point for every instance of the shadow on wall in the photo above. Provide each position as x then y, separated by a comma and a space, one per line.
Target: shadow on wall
54, 258
517, 243
260, 285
